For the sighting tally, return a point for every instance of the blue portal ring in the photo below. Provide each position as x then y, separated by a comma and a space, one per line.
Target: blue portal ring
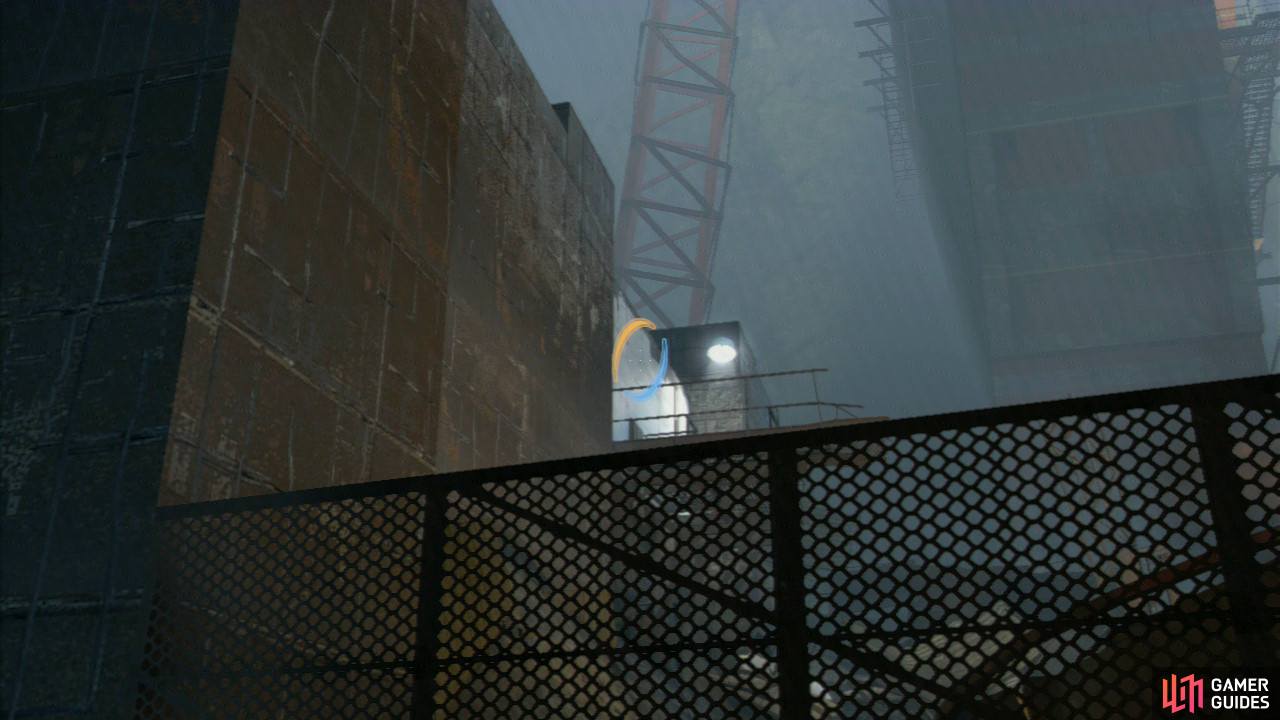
621, 342
657, 380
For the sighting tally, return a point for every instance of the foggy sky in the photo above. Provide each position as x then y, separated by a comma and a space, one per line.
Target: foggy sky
817, 259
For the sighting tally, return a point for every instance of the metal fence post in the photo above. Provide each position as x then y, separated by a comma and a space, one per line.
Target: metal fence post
1241, 571
430, 604
789, 586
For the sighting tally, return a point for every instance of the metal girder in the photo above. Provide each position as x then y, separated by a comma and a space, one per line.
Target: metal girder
677, 174
690, 266
666, 278
695, 31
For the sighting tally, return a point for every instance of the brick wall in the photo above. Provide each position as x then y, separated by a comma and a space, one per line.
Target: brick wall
526, 371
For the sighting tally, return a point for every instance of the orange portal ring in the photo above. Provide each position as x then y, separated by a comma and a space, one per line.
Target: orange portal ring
627, 331
621, 342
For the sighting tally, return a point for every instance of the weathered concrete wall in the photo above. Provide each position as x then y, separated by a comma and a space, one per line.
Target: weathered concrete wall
401, 251
237, 281
529, 332
110, 112
313, 350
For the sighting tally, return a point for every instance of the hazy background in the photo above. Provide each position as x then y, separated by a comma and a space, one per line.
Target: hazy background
817, 259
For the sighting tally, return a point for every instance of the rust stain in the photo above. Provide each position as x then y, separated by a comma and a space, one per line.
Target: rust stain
398, 153
504, 307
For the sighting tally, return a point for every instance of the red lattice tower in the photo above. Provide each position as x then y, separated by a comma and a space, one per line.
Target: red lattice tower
677, 173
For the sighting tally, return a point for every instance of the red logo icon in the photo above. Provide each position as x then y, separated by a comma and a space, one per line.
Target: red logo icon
1187, 694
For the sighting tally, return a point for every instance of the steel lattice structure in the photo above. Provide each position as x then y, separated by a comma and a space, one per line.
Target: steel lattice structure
677, 171
895, 82
1256, 49
1253, 54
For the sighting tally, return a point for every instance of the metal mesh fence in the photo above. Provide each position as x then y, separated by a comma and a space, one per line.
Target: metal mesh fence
1044, 561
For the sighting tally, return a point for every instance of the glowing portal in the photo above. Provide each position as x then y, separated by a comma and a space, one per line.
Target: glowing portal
621, 342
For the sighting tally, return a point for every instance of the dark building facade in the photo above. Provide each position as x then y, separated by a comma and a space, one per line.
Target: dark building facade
262, 246
111, 116
1080, 164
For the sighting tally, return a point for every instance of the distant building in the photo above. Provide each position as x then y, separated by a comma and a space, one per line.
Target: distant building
1079, 163
717, 363
663, 415
712, 389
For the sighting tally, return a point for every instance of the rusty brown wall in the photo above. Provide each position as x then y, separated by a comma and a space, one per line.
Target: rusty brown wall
526, 376
406, 265
529, 329
313, 348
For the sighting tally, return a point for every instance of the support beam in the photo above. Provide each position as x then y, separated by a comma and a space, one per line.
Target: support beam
670, 209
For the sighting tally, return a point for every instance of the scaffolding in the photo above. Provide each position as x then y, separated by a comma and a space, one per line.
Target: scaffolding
1253, 55
905, 56
1251, 49
677, 171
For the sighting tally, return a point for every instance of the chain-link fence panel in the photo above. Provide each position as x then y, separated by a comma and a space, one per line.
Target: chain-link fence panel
1044, 561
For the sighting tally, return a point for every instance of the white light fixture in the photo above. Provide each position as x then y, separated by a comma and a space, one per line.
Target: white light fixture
722, 351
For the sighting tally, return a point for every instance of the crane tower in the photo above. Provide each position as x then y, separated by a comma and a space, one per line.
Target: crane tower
677, 170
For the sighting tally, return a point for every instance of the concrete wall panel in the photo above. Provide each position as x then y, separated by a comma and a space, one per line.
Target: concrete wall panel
321, 279
110, 110
529, 327
272, 267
